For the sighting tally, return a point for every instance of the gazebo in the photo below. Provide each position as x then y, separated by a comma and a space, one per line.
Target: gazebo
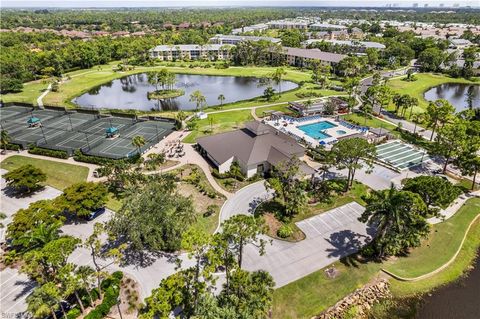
111, 131
33, 121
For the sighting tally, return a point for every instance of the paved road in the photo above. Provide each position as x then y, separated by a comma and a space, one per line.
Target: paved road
330, 236
10, 204
15, 287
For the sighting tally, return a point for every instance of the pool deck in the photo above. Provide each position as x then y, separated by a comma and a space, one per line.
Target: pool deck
291, 128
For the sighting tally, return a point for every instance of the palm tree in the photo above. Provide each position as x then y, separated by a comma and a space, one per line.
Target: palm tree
44, 300
4, 139
417, 118
138, 141
198, 98
277, 78
71, 282
399, 218
221, 98
39, 236
86, 274
154, 79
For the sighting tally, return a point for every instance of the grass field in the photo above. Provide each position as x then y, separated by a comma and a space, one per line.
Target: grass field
424, 82
59, 175
312, 294
359, 119
219, 122
443, 242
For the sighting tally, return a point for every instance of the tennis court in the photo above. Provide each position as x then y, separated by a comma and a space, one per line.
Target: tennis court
70, 131
121, 146
18, 122
13, 111
401, 155
88, 135
51, 129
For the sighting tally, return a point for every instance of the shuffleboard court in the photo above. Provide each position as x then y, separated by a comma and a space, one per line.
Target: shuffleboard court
401, 155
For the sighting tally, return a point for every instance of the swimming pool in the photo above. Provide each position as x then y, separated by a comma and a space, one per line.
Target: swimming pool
314, 130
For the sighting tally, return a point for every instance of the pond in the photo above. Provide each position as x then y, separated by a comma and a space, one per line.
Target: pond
459, 300
455, 93
130, 92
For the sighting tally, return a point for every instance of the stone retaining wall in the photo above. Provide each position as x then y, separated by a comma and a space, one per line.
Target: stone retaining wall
362, 298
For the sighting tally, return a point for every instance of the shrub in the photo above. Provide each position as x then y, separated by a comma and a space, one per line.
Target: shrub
11, 147
284, 231
46, 152
111, 288
10, 257
73, 313
80, 157
308, 94
211, 209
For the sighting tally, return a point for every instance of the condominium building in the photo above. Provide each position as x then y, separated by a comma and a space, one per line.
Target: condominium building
354, 46
327, 27
191, 52
234, 39
303, 57
288, 24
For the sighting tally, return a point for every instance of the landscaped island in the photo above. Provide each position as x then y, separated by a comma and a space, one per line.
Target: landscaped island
165, 94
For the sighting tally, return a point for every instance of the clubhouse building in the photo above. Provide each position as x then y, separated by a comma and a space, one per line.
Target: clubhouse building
256, 148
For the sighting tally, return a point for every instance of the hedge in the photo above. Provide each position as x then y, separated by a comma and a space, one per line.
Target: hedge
80, 157
74, 313
46, 152
11, 147
111, 287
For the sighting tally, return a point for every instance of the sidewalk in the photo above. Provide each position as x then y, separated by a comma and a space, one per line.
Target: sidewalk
452, 209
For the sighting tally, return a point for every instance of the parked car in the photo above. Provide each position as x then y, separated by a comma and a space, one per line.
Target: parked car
96, 213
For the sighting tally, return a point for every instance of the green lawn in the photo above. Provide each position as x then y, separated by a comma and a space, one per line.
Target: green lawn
359, 119
424, 82
30, 93
59, 175
222, 122
443, 242
313, 294
353, 195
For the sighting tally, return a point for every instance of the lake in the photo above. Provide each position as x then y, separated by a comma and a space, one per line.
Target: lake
455, 93
130, 92
459, 300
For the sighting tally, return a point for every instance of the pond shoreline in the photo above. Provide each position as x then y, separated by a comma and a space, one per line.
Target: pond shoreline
130, 92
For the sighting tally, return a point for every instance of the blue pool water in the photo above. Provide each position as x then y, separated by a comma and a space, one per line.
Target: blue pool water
314, 130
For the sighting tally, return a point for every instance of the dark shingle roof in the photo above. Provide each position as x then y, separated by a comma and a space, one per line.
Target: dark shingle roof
315, 54
249, 147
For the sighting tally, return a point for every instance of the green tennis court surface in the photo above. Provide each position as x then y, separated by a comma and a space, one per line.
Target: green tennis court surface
401, 155
70, 131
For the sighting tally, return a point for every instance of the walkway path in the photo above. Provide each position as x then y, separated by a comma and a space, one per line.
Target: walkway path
453, 208
40, 98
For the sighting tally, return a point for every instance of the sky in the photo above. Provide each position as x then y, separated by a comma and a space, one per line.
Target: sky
224, 3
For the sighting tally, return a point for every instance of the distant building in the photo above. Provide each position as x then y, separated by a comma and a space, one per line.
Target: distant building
302, 57
288, 24
191, 52
256, 148
251, 28
327, 27
355, 46
459, 43
234, 39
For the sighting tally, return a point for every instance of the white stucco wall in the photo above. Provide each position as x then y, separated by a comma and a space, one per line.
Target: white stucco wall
225, 166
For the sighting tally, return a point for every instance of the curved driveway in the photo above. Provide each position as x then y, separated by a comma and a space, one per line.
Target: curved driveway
329, 237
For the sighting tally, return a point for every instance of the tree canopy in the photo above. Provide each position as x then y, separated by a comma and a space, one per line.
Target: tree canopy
25, 179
